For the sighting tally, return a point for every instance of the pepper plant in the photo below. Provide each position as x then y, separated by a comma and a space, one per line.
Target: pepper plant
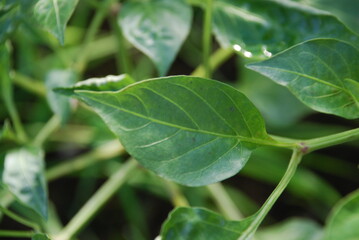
186, 129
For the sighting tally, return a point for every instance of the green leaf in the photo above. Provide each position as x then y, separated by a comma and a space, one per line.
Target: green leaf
24, 175
292, 229
53, 15
59, 104
108, 83
194, 131
40, 236
345, 10
157, 28
321, 73
200, 224
265, 27
8, 138
343, 221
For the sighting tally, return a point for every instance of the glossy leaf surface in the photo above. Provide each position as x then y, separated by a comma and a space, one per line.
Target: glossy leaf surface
194, 131
59, 104
157, 28
292, 229
53, 15
200, 224
24, 175
266, 27
321, 73
344, 220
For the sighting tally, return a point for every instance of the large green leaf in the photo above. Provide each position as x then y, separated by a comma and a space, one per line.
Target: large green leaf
24, 175
322, 73
344, 220
292, 229
157, 28
194, 131
265, 27
53, 15
59, 104
200, 224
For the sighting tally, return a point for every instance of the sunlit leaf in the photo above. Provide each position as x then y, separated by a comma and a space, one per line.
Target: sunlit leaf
157, 28
200, 224
59, 104
24, 175
292, 229
344, 220
53, 15
194, 131
265, 27
321, 73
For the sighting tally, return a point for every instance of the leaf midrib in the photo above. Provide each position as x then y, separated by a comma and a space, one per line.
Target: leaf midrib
245, 139
57, 14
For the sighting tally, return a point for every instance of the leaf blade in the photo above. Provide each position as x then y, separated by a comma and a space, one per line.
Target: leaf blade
166, 134
318, 73
157, 28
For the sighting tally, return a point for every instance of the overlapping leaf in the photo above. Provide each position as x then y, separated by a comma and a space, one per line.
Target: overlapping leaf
200, 224
59, 104
321, 73
157, 28
53, 15
344, 220
23, 174
194, 131
264, 27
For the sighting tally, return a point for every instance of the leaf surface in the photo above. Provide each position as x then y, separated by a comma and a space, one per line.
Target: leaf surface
23, 174
265, 27
343, 222
200, 224
321, 73
292, 229
53, 15
59, 104
157, 28
194, 131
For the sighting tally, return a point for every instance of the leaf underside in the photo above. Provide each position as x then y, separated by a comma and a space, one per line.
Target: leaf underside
194, 131
322, 73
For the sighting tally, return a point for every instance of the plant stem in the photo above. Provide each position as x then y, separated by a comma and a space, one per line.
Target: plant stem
260, 215
19, 219
207, 34
215, 60
105, 151
94, 204
16, 234
46, 130
224, 201
178, 199
331, 140
123, 59
91, 33
29, 84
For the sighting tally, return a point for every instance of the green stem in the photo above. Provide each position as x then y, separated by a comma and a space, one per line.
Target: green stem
103, 152
46, 130
207, 40
260, 215
97, 201
29, 84
331, 140
224, 201
95, 24
178, 199
19, 219
16, 234
122, 58
215, 60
